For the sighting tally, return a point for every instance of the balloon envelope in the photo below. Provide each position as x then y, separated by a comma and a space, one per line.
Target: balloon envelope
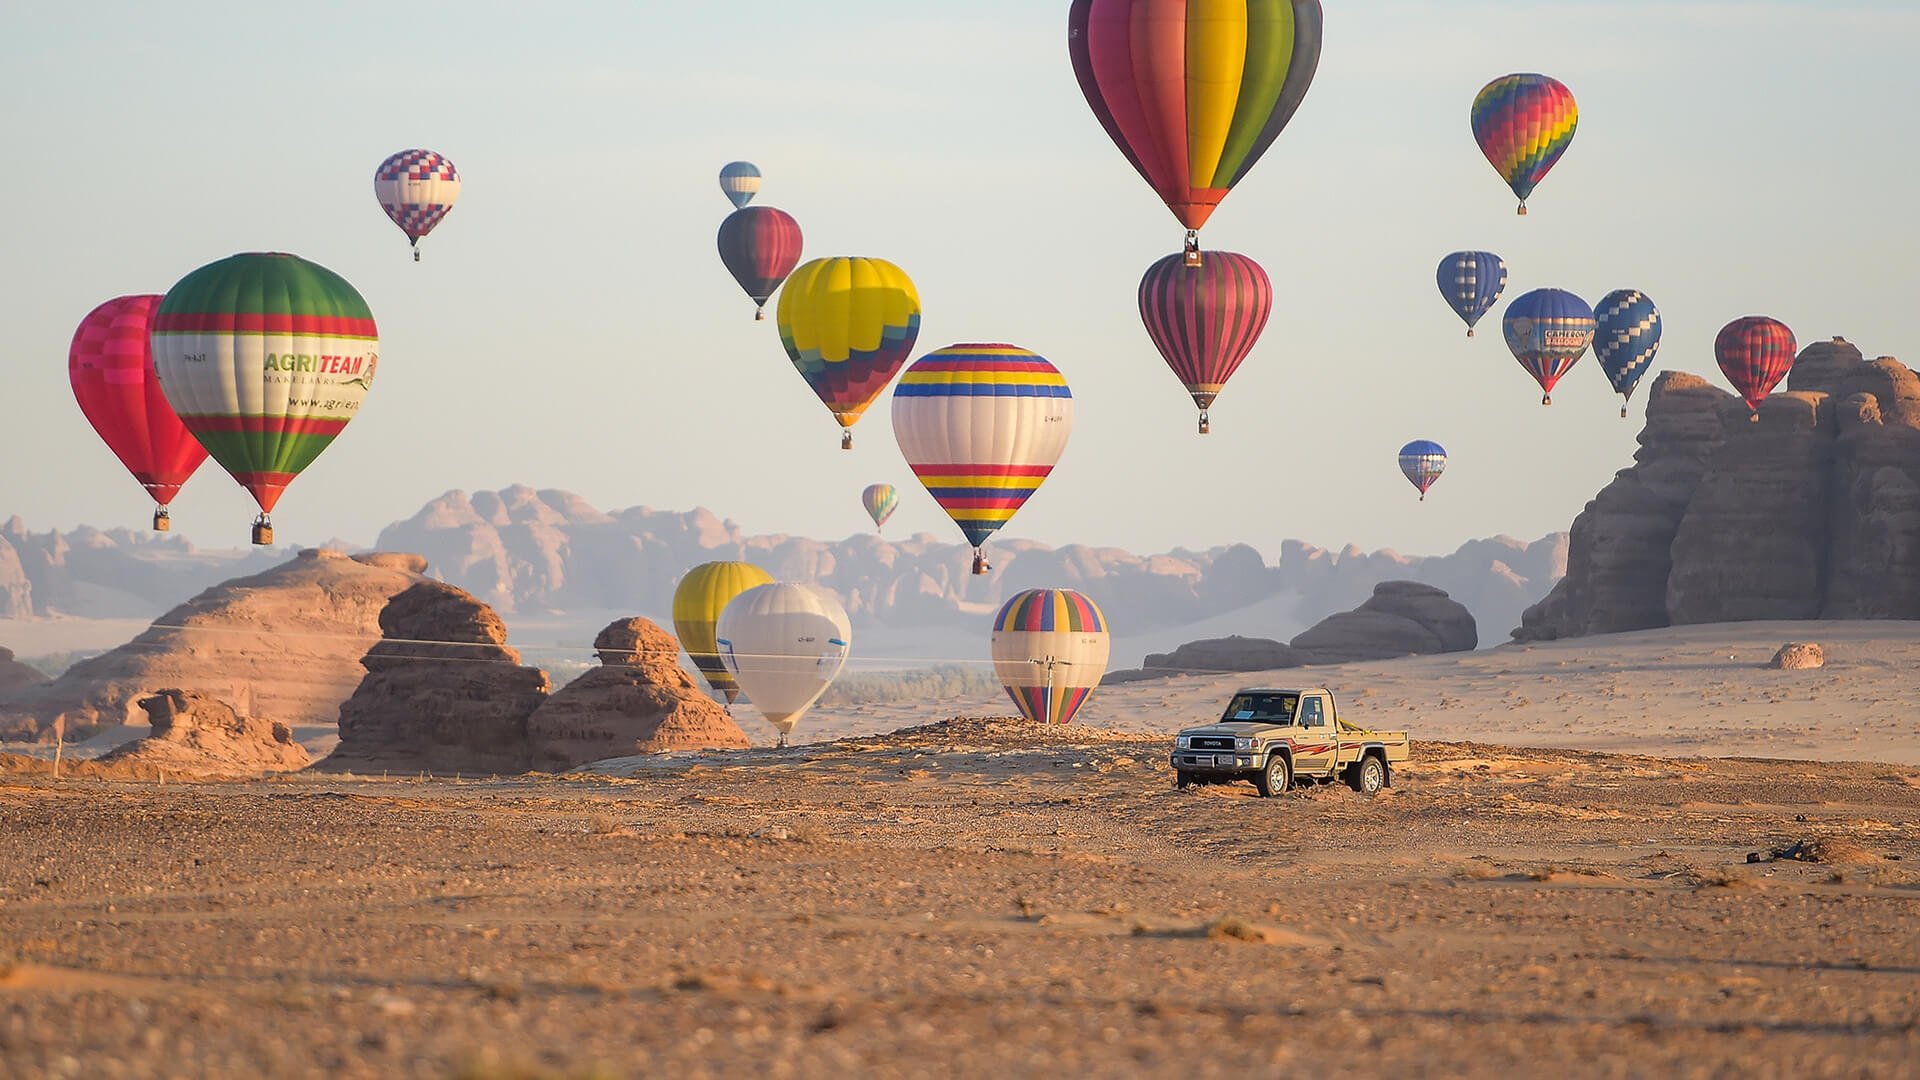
1050, 649
416, 188
1421, 462
1626, 336
982, 426
784, 643
1548, 331
698, 601
880, 500
110, 365
1471, 282
265, 358
1194, 91
1523, 124
848, 325
1205, 319
740, 182
760, 246
1755, 353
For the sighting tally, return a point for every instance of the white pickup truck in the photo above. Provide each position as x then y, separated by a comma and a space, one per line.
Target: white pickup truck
1275, 737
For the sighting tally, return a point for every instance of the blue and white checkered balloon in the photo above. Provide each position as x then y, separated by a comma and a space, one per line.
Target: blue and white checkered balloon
1471, 282
1626, 336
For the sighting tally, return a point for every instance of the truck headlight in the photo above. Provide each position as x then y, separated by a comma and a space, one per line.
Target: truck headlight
1243, 744
1184, 742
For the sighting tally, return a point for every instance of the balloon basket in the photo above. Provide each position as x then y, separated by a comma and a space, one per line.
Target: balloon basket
416, 254
1206, 424
759, 314
1193, 248
263, 532
161, 521
1546, 399
980, 562
1623, 412
846, 440
1522, 212
1753, 417
1469, 331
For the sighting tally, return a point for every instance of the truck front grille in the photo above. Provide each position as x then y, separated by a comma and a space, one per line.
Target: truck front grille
1212, 742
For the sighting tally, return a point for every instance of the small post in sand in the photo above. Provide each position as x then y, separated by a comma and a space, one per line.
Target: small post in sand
59, 741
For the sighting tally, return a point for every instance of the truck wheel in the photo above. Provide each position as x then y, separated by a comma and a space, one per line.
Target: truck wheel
1181, 780
1275, 778
1369, 776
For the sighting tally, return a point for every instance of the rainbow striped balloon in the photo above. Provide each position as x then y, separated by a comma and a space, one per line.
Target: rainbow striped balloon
1050, 648
848, 325
982, 426
880, 500
1523, 124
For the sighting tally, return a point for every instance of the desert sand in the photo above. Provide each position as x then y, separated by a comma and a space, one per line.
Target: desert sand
976, 897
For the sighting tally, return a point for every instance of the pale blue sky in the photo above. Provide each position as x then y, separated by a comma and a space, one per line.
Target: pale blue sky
572, 327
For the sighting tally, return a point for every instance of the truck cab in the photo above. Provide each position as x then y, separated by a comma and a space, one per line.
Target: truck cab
1277, 736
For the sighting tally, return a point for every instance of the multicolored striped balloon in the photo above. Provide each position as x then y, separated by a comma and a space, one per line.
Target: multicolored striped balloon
1471, 282
880, 500
416, 188
265, 357
1421, 462
740, 182
1523, 124
1625, 338
760, 246
1194, 91
697, 603
110, 365
982, 426
848, 324
1050, 648
1548, 331
1205, 319
1755, 353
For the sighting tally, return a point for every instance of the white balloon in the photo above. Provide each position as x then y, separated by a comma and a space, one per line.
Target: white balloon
1050, 648
784, 644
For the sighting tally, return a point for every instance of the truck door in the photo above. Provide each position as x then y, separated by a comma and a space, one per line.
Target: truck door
1315, 749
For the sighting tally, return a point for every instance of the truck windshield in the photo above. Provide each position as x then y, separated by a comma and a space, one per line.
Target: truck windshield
1264, 708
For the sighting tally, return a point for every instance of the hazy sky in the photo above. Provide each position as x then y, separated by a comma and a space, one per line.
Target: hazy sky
572, 327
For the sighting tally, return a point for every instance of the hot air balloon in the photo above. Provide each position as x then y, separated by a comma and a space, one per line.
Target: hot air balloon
784, 643
416, 188
1523, 124
1194, 91
697, 603
982, 426
880, 499
1050, 649
848, 325
265, 357
1472, 282
1625, 337
1205, 319
760, 246
1548, 331
740, 181
1755, 353
1422, 461
111, 367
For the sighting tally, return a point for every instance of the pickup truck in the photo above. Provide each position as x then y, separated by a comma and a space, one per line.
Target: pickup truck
1275, 737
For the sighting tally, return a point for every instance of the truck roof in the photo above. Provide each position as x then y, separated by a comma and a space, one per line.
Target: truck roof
1284, 690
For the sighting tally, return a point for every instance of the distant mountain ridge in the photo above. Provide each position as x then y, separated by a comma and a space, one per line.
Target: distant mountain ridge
526, 550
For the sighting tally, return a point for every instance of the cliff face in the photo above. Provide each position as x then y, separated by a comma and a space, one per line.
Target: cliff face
1812, 512
281, 645
523, 550
114, 573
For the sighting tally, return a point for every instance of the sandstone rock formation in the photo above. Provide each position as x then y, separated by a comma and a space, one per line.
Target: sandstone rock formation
443, 693
523, 550
283, 645
1401, 618
1813, 512
640, 701
15, 675
198, 736
113, 573
1798, 656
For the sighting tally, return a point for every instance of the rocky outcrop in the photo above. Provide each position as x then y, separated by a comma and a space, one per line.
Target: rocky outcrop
443, 692
1402, 618
112, 573
197, 736
15, 675
1798, 656
1812, 512
639, 701
1231, 653
283, 645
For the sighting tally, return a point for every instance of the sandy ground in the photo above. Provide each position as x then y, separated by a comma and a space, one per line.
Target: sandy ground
969, 899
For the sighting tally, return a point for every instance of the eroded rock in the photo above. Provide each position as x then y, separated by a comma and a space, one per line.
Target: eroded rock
1798, 656
640, 701
194, 735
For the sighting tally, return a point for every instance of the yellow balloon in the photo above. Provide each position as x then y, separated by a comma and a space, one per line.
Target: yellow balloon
697, 603
848, 325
